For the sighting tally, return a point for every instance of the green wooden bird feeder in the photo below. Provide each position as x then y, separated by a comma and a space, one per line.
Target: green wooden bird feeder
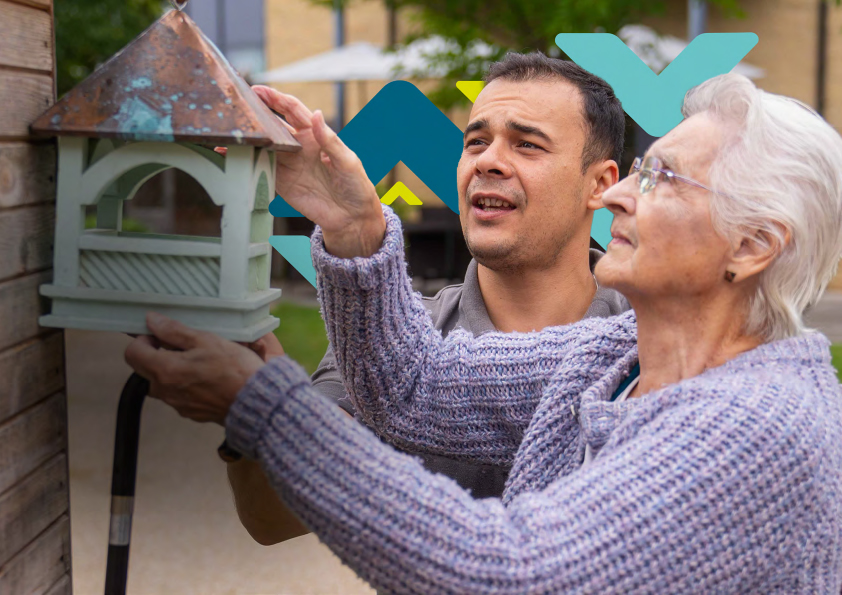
164, 102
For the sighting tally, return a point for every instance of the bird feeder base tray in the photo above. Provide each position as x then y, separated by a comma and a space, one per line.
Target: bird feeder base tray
244, 320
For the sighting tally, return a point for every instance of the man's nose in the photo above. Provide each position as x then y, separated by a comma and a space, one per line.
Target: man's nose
494, 161
621, 197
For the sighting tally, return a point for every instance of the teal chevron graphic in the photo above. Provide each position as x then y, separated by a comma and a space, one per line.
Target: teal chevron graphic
296, 251
280, 208
654, 100
401, 124
398, 124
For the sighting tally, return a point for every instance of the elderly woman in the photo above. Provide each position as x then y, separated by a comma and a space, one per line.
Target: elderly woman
690, 446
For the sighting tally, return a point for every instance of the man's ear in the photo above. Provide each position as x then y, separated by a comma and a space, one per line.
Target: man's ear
601, 176
753, 254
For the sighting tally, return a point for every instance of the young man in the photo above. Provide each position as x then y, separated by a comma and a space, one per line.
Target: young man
543, 143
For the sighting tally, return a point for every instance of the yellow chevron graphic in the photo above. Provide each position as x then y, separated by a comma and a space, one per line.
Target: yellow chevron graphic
401, 190
470, 89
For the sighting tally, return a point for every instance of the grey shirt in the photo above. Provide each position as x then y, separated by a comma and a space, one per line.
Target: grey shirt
462, 306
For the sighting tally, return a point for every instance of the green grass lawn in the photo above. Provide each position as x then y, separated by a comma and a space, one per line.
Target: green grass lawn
302, 333
836, 353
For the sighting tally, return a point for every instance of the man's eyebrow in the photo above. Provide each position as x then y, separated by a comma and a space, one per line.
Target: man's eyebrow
475, 125
525, 129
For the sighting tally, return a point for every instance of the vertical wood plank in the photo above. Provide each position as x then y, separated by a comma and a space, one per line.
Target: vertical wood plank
30, 371
41, 564
27, 174
62, 587
20, 307
29, 439
30, 94
26, 37
42, 4
31, 506
26, 240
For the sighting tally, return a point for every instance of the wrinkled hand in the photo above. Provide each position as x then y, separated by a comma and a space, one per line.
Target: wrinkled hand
201, 381
325, 181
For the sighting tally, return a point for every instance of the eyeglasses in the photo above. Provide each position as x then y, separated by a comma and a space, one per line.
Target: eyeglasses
651, 169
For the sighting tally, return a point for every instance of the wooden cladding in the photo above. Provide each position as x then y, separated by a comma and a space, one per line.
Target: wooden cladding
29, 95
34, 512
27, 174
26, 37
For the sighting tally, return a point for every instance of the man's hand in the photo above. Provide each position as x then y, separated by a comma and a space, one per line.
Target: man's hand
326, 181
201, 381
267, 347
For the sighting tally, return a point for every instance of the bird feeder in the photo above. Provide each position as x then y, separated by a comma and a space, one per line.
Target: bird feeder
164, 102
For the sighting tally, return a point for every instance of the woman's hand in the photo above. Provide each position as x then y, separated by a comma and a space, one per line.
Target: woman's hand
326, 181
198, 374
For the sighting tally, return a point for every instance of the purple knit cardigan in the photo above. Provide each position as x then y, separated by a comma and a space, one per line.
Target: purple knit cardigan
729, 482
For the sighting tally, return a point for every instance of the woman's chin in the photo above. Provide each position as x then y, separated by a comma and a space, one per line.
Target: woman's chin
610, 272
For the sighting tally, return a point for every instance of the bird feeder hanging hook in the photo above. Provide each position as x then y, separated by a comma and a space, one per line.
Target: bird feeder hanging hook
179, 6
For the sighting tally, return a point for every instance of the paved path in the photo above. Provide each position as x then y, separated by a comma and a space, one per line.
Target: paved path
186, 535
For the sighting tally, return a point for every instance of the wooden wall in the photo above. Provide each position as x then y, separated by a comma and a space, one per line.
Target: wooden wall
34, 511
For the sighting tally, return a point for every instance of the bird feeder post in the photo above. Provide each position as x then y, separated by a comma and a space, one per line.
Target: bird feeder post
236, 223
70, 214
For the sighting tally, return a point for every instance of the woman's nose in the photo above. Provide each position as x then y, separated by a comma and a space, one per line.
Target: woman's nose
621, 197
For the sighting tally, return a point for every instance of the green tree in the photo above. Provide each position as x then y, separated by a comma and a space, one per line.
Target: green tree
521, 25
89, 32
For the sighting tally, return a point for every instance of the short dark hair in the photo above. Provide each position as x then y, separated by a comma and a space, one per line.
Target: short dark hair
603, 111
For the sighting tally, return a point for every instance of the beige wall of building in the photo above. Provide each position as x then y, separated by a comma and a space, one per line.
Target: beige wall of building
787, 48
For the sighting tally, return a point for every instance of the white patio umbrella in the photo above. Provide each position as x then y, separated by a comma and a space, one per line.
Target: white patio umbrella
659, 50
363, 61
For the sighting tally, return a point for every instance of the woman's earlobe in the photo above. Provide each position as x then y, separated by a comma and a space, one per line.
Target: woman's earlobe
757, 252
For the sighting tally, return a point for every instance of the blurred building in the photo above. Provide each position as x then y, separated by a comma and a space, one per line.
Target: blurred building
790, 46
800, 43
234, 26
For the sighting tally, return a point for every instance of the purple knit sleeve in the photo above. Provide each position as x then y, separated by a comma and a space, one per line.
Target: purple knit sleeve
690, 503
463, 397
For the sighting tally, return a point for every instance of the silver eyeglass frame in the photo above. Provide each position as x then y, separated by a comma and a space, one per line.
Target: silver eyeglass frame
647, 183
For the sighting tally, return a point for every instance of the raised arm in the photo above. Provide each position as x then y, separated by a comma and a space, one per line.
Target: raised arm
405, 382
414, 387
658, 510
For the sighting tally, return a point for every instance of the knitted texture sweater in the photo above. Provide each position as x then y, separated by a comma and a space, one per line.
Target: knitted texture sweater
728, 482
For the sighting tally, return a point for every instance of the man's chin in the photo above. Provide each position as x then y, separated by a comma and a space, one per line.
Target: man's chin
497, 256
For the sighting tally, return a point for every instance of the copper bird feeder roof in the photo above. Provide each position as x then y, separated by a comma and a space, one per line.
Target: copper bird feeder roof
171, 84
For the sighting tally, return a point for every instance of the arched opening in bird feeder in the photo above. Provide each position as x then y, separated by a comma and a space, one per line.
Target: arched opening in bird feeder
171, 202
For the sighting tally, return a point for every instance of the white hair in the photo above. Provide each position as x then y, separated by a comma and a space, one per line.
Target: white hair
781, 165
